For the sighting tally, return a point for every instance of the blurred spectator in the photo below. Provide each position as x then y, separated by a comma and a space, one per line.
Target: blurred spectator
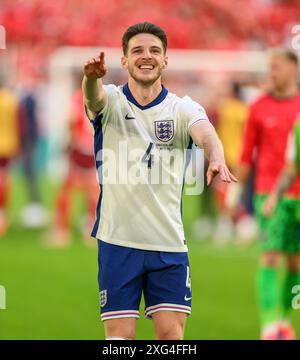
9, 146
81, 177
34, 214
232, 114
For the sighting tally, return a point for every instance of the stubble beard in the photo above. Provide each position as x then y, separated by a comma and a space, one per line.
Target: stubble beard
142, 81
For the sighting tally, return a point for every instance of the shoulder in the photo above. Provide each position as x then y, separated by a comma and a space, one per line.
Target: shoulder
261, 101
186, 101
189, 107
111, 89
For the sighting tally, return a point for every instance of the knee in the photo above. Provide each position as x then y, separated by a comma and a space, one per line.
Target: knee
170, 333
270, 259
118, 330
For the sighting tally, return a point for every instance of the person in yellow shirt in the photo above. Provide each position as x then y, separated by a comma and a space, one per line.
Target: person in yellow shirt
231, 116
9, 146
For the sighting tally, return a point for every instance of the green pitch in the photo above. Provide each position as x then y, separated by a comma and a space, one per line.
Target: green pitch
53, 294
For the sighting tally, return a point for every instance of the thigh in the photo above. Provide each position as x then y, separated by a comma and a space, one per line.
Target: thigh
292, 227
167, 285
120, 281
271, 229
285, 226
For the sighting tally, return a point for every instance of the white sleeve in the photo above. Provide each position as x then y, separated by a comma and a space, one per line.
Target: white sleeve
191, 112
111, 92
290, 154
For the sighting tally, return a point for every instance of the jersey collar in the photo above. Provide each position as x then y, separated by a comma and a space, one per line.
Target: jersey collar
161, 97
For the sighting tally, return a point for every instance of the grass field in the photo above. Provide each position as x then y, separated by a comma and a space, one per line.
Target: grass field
53, 294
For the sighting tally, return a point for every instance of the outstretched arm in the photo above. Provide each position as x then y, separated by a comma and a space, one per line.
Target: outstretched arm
95, 97
205, 136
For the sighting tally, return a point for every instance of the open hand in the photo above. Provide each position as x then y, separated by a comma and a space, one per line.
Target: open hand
219, 168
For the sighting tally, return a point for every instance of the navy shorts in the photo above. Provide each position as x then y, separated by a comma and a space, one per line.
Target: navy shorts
125, 273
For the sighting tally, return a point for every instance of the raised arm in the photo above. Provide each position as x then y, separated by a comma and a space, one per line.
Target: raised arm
205, 136
95, 97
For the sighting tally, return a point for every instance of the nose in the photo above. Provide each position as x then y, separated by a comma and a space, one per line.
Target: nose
146, 54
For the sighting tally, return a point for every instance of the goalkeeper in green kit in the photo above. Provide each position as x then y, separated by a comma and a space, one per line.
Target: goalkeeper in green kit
287, 176
272, 117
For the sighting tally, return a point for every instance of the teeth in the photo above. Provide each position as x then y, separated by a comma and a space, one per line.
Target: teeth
146, 67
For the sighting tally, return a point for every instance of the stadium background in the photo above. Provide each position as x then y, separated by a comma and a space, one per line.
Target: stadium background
52, 293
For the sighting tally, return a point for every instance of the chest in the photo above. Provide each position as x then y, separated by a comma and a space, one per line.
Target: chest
159, 125
278, 119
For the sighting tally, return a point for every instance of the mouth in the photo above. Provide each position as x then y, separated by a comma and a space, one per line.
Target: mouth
146, 67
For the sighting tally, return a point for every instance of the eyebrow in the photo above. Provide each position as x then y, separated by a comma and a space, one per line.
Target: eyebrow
140, 47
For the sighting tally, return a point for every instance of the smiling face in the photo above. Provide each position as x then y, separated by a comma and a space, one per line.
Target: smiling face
145, 58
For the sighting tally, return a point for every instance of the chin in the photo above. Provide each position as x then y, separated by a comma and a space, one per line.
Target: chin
147, 81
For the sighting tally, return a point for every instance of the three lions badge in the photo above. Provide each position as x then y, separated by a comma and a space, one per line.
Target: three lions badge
164, 130
103, 298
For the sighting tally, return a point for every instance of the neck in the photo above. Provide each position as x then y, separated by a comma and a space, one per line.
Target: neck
144, 94
286, 92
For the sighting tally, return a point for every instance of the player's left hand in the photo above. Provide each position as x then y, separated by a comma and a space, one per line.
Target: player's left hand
219, 168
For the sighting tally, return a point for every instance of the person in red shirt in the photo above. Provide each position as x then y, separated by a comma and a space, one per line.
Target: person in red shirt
270, 120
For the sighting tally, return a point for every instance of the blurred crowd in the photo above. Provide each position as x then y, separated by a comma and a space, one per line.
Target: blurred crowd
205, 24
38, 27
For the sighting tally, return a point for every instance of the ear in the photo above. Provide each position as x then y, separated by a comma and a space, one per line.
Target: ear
124, 62
166, 60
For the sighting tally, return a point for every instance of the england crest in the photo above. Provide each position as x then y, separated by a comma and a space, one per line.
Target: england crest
103, 298
164, 130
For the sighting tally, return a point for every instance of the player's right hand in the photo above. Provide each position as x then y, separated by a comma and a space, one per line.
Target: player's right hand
270, 205
95, 68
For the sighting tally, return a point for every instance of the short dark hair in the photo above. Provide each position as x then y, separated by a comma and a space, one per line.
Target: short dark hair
141, 28
288, 54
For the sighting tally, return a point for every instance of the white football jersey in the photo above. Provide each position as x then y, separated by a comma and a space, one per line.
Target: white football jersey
141, 160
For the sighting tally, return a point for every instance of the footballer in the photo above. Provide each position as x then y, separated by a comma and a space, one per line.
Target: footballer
142, 246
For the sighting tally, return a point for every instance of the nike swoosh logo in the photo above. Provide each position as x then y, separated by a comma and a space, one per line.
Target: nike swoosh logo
127, 117
187, 298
